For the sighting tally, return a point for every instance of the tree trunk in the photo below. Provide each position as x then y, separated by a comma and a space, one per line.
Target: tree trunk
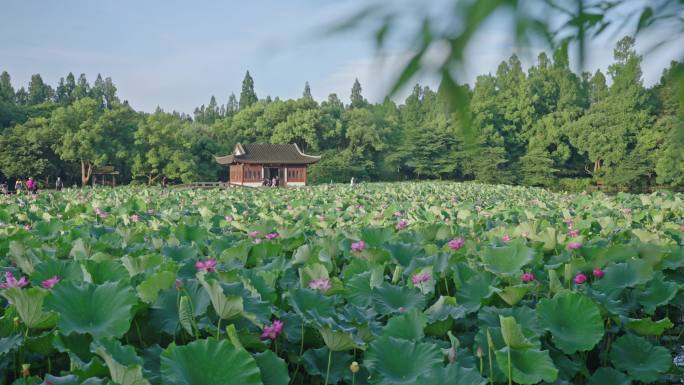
85, 174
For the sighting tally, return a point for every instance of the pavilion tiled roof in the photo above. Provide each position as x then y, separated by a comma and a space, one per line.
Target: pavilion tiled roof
267, 153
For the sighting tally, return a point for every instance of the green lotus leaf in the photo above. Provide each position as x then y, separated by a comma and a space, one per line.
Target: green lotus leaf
622, 275
528, 366
316, 364
508, 259
29, 305
648, 327
104, 271
99, 310
395, 361
390, 299
573, 319
148, 290
658, 292
208, 362
189, 233
512, 334
73, 380
8, 344
452, 374
608, 376
164, 312
408, 326
311, 272
360, 292
125, 367
642, 360
444, 308
273, 368
313, 306
137, 265
475, 291
226, 306
513, 294
337, 340
48, 230
65, 270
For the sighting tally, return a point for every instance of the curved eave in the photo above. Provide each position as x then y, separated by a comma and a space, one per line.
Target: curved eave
224, 160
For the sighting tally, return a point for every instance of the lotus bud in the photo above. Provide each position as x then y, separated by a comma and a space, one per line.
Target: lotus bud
354, 367
25, 370
479, 353
452, 355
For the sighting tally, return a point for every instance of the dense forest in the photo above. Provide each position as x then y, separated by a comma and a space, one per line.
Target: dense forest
545, 127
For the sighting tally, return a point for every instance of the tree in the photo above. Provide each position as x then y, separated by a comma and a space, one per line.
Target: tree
247, 95
6, 89
82, 89
232, 106
162, 150
38, 91
91, 136
307, 92
357, 100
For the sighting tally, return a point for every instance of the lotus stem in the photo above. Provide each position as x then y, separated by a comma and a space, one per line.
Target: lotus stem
327, 371
491, 366
301, 351
218, 328
510, 367
446, 286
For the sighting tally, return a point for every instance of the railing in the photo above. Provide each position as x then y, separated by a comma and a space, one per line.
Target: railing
202, 185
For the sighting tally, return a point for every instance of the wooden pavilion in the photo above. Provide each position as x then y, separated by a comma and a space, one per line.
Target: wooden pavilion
102, 172
250, 164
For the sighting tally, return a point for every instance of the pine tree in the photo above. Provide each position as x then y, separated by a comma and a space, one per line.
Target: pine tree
247, 95
38, 91
6, 89
307, 92
357, 100
232, 105
82, 89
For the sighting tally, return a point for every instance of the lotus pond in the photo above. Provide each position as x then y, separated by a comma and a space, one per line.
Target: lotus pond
410, 283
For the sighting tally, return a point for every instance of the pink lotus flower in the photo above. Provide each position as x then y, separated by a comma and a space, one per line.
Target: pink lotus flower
253, 234
580, 278
179, 282
208, 265
358, 247
681, 228
27, 227
272, 331
402, 224
574, 245
257, 241
420, 278
598, 273
397, 213
229, 218
322, 284
50, 283
506, 238
135, 218
456, 243
527, 277
627, 210
270, 236
10, 281
573, 233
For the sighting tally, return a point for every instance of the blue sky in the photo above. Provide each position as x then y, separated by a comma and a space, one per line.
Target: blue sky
176, 54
